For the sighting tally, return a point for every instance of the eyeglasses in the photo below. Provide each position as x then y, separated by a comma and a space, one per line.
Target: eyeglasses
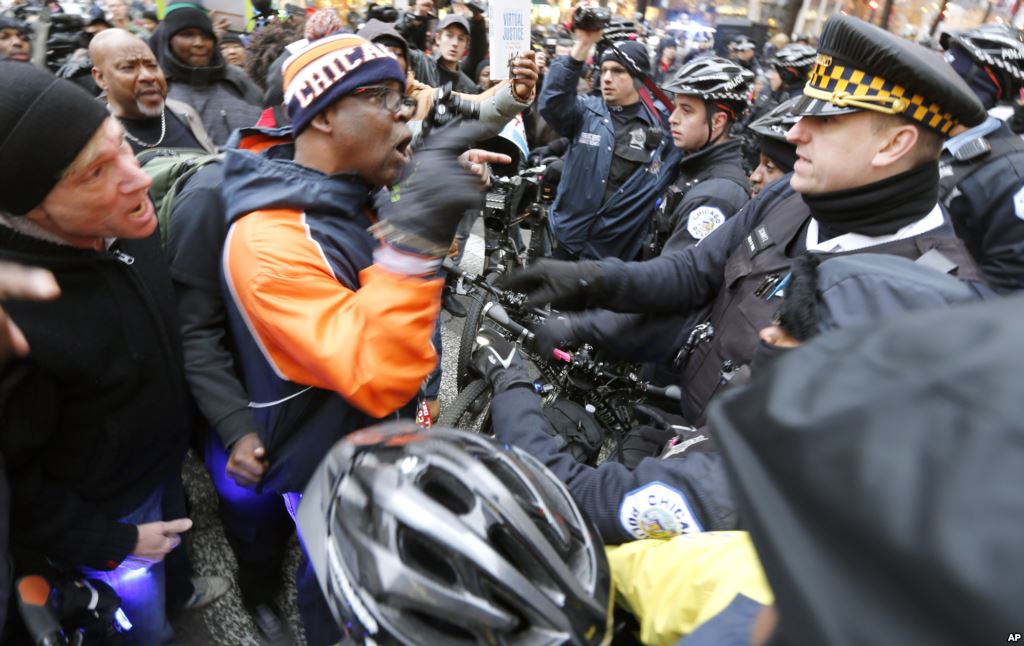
386, 97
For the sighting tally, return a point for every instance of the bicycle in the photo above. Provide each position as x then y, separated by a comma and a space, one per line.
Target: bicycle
610, 391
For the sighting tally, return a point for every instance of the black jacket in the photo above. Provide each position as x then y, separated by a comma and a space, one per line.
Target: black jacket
878, 469
711, 188
724, 272
985, 197
99, 416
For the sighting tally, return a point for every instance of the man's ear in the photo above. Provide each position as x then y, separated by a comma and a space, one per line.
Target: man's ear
324, 121
97, 76
896, 143
719, 123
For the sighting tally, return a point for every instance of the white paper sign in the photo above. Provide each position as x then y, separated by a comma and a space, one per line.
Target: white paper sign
509, 34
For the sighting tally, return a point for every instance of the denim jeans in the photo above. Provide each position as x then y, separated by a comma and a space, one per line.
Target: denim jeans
140, 585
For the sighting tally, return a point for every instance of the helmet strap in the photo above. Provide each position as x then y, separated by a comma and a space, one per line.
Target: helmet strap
710, 110
995, 80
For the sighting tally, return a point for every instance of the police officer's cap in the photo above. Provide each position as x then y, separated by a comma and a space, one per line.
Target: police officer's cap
862, 67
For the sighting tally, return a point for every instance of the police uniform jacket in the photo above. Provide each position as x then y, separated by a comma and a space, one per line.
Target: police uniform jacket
736, 270
710, 189
660, 498
583, 222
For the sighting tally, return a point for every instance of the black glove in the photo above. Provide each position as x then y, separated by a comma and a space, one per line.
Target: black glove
565, 285
644, 442
426, 206
497, 360
555, 332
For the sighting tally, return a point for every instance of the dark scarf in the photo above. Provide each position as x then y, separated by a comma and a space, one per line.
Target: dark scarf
882, 208
175, 70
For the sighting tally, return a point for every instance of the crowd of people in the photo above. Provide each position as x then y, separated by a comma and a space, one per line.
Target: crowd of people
229, 240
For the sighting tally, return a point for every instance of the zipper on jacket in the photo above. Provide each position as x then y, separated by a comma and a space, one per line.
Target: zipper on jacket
123, 257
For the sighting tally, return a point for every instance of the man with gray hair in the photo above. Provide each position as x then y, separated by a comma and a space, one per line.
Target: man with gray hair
96, 424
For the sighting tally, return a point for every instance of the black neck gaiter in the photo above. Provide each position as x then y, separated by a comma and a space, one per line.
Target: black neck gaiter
882, 208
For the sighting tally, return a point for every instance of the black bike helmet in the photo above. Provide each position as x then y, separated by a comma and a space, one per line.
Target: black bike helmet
714, 79
722, 84
777, 122
793, 62
771, 130
997, 48
445, 537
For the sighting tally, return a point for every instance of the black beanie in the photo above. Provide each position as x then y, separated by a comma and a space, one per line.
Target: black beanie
182, 15
631, 55
44, 123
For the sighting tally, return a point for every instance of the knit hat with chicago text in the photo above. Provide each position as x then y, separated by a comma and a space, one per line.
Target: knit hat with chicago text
327, 69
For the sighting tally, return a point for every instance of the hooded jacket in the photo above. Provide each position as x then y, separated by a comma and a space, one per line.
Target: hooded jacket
327, 341
195, 238
222, 94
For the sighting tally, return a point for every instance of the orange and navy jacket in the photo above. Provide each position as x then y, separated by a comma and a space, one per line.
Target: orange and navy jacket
328, 341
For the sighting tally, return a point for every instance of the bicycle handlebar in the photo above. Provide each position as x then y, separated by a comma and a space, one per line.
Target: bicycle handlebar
672, 392
494, 311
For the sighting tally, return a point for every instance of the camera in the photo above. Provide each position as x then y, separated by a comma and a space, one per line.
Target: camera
591, 18
448, 106
381, 13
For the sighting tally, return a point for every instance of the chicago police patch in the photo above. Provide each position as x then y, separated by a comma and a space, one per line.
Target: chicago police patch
703, 220
657, 510
1018, 203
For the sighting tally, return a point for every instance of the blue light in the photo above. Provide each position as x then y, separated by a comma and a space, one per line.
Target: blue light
132, 575
122, 620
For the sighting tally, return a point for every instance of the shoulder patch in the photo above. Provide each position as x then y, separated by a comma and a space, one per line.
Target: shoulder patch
657, 510
703, 220
1018, 203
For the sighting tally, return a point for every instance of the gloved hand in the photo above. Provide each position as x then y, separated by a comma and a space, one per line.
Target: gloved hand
565, 285
497, 360
426, 206
555, 332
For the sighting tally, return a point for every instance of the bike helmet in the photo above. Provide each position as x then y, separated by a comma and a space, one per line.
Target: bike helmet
722, 84
777, 122
446, 537
997, 48
793, 62
714, 79
620, 29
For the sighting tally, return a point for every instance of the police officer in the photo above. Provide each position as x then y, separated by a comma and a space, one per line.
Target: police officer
776, 155
982, 169
875, 112
611, 178
710, 95
788, 70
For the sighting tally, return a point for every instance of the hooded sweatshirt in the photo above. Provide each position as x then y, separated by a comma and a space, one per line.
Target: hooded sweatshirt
328, 341
222, 94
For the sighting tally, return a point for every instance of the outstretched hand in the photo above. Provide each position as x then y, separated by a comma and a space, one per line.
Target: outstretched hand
477, 160
566, 286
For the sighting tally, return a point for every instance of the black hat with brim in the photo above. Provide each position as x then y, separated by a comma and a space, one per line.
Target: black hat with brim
862, 67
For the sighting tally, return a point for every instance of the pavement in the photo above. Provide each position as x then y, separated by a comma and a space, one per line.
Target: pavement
225, 621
